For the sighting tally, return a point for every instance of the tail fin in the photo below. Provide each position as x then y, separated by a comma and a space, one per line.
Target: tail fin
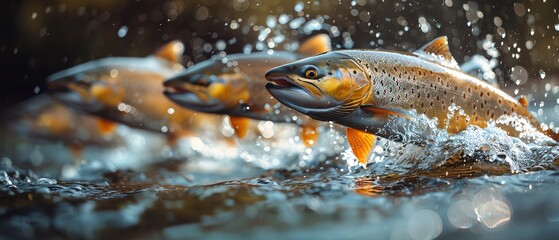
553, 135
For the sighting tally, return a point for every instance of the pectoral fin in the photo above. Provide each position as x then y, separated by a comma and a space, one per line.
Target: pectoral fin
240, 124
309, 134
553, 135
106, 127
385, 111
361, 144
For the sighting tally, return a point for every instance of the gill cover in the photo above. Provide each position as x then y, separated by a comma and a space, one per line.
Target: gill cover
325, 87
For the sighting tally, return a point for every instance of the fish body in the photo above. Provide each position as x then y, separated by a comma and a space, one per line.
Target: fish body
214, 87
235, 85
128, 91
380, 93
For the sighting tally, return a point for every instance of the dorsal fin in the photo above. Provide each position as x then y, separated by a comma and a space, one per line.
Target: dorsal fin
438, 51
315, 45
171, 51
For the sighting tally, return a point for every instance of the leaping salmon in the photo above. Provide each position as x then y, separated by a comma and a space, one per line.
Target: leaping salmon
128, 90
375, 92
234, 85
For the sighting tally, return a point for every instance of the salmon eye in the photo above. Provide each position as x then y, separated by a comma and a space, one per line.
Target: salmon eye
311, 73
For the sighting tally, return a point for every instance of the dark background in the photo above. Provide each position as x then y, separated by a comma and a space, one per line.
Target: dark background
41, 37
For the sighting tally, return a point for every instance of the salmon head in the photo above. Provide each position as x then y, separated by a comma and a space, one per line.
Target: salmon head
88, 87
210, 86
324, 87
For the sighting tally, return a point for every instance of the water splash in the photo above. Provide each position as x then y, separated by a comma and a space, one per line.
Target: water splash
490, 145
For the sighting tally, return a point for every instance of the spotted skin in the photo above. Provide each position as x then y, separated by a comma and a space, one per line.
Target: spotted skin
406, 82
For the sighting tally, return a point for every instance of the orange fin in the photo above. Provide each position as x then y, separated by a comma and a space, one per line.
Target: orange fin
315, 45
553, 135
523, 101
361, 144
106, 127
171, 51
240, 124
438, 51
385, 111
309, 134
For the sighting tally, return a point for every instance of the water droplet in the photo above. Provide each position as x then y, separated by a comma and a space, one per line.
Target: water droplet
519, 75
271, 21
519, 9
461, 214
46, 181
296, 23
122, 31
113, 73
220, 45
234, 25
425, 224
202, 13
491, 208
299, 6
542, 73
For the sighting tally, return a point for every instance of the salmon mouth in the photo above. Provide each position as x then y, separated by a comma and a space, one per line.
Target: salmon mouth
187, 84
192, 95
293, 95
185, 89
281, 81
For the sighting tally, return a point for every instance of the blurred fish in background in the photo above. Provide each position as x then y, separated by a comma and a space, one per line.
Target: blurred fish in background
129, 91
233, 85
42, 129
